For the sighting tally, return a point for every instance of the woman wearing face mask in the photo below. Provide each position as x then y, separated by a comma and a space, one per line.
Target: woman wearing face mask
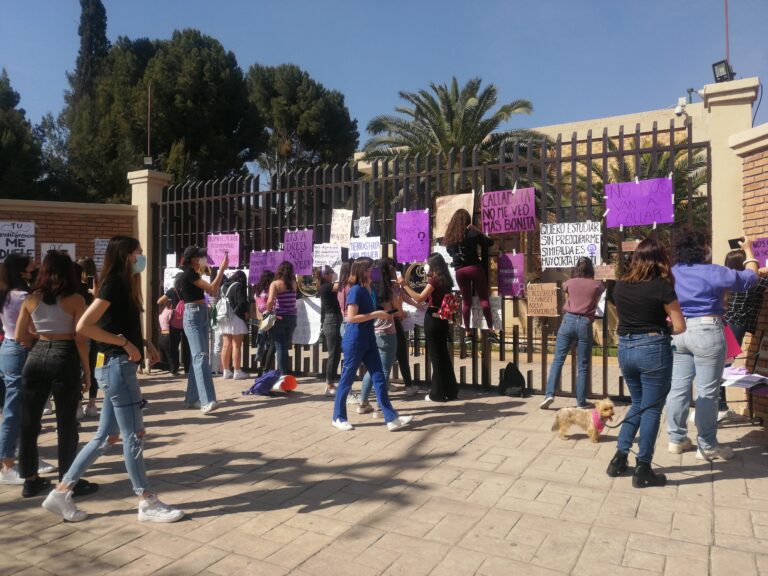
200, 388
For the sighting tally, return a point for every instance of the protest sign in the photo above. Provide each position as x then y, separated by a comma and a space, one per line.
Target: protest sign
362, 226
307, 322
257, 263
638, 203
443, 251
341, 224
563, 244
99, 249
412, 234
220, 244
69, 249
274, 259
297, 249
170, 260
326, 255
511, 269
760, 250
605, 272
169, 275
17, 238
478, 320
414, 317
365, 247
446, 207
505, 211
542, 299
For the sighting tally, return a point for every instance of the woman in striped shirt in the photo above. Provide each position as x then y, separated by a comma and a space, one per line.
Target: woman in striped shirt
282, 301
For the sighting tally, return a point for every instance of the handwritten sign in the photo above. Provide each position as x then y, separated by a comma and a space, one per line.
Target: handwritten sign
365, 247
447, 206
512, 275
257, 263
760, 250
414, 317
17, 238
505, 211
563, 244
605, 272
170, 260
69, 249
326, 255
169, 276
307, 322
542, 299
412, 233
274, 259
220, 244
639, 203
341, 224
99, 249
297, 247
362, 226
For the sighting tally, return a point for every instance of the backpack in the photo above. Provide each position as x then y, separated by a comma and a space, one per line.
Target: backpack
177, 317
511, 381
224, 311
262, 386
450, 309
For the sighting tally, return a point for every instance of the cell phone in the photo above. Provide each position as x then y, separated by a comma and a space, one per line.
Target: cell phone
393, 311
90, 282
734, 243
398, 274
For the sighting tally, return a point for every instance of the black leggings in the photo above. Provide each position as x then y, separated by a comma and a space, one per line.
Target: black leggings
332, 333
403, 361
436, 332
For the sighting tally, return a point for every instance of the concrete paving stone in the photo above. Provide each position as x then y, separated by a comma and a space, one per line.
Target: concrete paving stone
147, 564
123, 555
681, 566
692, 528
34, 571
644, 561
494, 566
192, 563
330, 563
377, 558
165, 545
741, 543
237, 564
762, 564
295, 553
318, 524
725, 562
666, 546
451, 529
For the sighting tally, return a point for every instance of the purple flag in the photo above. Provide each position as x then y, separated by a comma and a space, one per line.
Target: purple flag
512, 275
219, 244
505, 211
760, 250
274, 259
412, 233
639, 203
297, 247
256, 265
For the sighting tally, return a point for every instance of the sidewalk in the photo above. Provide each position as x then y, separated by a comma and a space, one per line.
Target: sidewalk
481, 486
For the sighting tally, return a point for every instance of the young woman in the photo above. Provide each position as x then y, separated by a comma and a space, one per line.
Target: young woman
89, 279
177, 338
700, 351
282, 301
53, 366
462, 240
113, 321
359, 344
645, 297
193, 288
342, 290
436, 330
265, 347
582, 293
403, 360
327, 290
234, 289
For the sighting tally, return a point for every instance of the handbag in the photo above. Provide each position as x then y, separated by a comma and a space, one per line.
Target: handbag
267, 321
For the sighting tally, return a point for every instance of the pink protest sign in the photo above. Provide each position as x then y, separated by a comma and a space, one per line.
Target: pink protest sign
512, 275
639, 203
274, 259
220, 244
505, 211
256, 265
412, 234
297, 247
760, 250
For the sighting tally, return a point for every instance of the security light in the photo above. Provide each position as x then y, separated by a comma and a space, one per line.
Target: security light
722, 71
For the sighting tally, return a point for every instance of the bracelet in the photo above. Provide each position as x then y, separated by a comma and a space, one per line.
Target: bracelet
749, 261
125, 341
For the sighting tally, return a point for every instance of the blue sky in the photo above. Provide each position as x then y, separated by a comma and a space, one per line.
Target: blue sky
574, 59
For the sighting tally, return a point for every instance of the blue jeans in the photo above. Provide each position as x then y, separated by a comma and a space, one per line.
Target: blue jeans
387, 346
12, 358
578, 329
646, 364
699, 353
120, 414
199, 379
282, 333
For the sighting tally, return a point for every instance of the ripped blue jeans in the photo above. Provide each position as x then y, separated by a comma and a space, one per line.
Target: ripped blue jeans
120, 415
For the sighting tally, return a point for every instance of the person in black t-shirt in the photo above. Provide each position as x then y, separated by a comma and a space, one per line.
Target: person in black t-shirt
330, 310
171, 299
644, 297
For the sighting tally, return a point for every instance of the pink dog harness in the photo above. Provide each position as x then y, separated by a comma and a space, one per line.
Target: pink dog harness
597, 421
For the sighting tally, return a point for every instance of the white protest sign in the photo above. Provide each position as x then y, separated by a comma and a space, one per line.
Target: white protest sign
326, 255
69, 248
99, 249
478, 320
17, 238
563, 244
169, 275
307, 321
341, 224
170, 260
365, 247
362, 226
415, 317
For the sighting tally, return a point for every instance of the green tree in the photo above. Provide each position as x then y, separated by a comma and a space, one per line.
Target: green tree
19, 149
56, 181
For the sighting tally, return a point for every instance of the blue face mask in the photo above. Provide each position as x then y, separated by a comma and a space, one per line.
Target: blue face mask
140, 265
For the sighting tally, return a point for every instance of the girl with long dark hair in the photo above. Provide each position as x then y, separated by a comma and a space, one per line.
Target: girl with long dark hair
327, 290
176, 337
282, 301
265, 347
403, 360
233, 330
113, 321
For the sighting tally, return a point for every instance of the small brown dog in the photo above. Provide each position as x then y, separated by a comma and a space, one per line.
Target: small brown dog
591, 420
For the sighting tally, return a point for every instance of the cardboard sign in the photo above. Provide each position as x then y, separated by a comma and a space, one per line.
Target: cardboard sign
341, 224
563, 244
257, 263
69, 249
274, 259
17, 238
605, 272
639, 203
307, 322
505, 211
362, 226
297, 248
326, 255
542, 299
760, 250
511, 269
412, 234
220, 244
447, 206
365, 247
99, 249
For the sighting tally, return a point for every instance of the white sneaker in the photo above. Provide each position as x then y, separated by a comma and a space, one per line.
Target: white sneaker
228, 374
210, 407
725, 414
44, 467
80, 414
411, 390
11, 476
399, 422
723, 452
151, 509
546, 403
680, 447
48, 410
195, 404
62, 503
364, 408
342, 425
330, 390
91, 411
427, 398
353, 399
240, 375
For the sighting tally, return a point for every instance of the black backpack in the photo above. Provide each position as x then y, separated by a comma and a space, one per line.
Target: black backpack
511, 381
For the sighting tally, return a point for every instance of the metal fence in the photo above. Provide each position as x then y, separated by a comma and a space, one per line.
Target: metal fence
567, 174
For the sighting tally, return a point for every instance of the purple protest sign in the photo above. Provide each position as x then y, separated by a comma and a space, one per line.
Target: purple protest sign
505, 211
512, 275
297, 247
412, 233
256, 265
274, 259
219, 244
639, 203
760, 250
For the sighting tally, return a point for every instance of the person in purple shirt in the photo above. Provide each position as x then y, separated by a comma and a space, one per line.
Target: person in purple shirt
699, 352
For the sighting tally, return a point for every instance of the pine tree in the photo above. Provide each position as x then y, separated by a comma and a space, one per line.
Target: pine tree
19, 149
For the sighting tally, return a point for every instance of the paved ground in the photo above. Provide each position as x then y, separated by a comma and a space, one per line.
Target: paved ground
478, 487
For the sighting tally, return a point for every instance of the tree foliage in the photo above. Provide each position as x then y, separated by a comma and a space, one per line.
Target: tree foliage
19, 149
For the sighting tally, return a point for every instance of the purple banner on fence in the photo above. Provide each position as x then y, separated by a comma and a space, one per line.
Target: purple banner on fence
412, 234
220, 244
760, 250
256, 265
505, 211
297, 248
274, 259
512, 275
639, 203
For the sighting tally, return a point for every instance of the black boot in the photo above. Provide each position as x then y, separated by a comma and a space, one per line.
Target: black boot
618, 464
645, 477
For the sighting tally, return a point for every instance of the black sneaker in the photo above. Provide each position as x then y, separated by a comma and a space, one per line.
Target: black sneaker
618, 464
645, 477
33, 487
493, 338
84, 488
